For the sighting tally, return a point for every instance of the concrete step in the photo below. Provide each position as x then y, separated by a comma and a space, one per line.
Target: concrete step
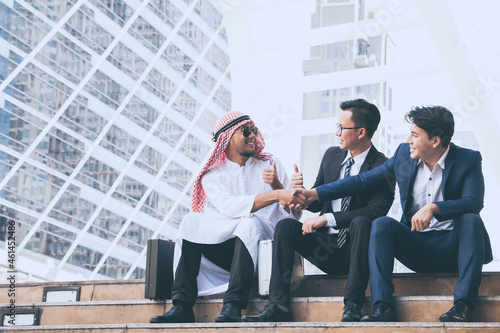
111, 290
406, 284
304, 309
269, 328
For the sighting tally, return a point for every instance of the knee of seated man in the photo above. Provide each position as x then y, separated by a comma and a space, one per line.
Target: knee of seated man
249, 226
469, 223
360, 223
383, 227
383, 223
250, 221
284, 225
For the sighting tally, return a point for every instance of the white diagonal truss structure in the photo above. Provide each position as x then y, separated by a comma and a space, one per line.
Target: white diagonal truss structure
152, 76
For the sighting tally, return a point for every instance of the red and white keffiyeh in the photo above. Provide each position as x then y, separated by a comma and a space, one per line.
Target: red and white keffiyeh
219, 154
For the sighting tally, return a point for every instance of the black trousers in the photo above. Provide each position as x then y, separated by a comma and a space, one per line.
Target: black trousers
321, 250
232, 255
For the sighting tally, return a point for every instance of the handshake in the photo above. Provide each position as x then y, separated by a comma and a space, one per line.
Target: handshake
298, 198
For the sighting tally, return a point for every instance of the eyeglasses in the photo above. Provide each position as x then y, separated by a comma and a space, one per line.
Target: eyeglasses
247, 130
340, 128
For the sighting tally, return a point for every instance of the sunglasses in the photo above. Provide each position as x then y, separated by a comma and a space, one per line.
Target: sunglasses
247, 130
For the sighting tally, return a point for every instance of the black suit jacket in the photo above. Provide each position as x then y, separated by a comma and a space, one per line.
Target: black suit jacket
372, 203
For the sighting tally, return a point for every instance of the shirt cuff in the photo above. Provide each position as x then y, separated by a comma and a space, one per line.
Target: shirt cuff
331, 222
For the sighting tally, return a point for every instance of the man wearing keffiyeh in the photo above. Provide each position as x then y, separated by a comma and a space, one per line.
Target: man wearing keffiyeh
216, 249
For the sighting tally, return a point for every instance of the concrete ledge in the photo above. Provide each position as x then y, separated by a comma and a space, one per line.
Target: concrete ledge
304, 309
268, 327
90, 290
406, 284
254, 300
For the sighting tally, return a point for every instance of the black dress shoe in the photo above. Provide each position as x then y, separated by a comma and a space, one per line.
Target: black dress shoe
382, 312
352, 312
177, 314
230, 313
459, 312
271, 313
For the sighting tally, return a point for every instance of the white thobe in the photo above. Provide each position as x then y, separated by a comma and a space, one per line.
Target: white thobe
232, 189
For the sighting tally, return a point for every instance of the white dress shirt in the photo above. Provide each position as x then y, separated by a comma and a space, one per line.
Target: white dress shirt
336, 204
428, 188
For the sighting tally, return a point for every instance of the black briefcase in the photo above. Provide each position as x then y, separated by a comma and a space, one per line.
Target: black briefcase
159, 269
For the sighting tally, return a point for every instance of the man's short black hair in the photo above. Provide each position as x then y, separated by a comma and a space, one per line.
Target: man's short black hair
364, 114
434, 120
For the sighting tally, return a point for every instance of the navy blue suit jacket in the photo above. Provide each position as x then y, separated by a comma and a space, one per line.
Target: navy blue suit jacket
463, 189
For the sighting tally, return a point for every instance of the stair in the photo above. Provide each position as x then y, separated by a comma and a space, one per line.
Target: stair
119, 306
270, 328
405, 284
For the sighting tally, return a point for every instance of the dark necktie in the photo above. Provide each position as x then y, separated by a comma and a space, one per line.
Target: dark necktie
344, 206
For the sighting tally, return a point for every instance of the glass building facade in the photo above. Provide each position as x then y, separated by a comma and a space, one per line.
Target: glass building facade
106, 113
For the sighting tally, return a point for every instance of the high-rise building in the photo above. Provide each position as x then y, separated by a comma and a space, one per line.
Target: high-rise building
348, 55
106, 113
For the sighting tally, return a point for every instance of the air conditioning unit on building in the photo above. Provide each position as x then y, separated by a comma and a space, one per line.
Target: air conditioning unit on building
364, 60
